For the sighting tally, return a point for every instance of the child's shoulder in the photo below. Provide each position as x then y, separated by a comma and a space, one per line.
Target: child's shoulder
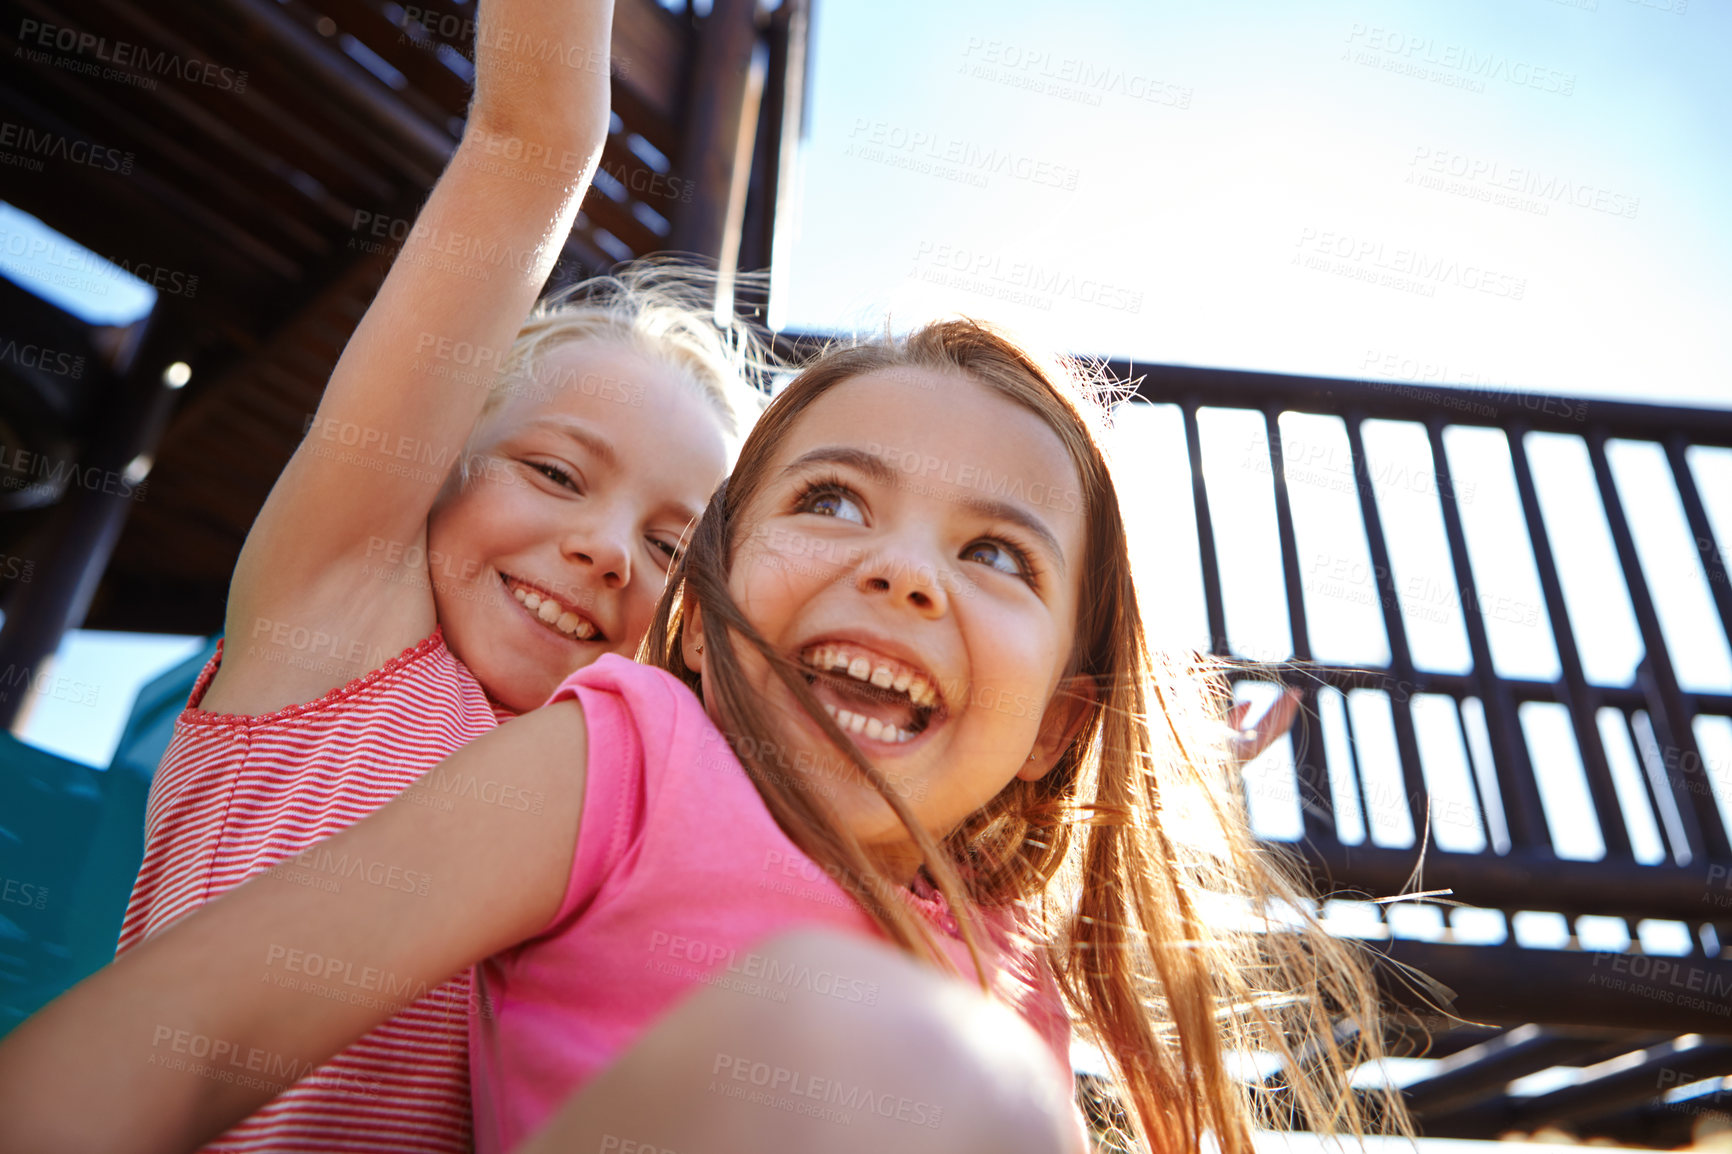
637, 709
623, 677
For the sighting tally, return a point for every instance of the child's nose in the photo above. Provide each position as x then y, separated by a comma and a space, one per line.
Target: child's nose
908, 577
603, 549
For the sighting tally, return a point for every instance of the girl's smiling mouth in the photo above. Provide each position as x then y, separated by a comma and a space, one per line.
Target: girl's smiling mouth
551, 612
871, 695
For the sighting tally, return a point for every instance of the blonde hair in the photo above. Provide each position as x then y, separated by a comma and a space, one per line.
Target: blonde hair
661, 310
1176, 954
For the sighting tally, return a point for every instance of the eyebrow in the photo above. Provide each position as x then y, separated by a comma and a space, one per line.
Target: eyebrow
603, 450
881, 472
600, 446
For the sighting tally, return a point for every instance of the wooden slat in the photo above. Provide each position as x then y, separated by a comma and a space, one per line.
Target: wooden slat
617, 219
241, 132
660, 191
426, 73
262, 217
1482, 1071
315, 82
1604, 1092
1531, 877
651, 51
644, 118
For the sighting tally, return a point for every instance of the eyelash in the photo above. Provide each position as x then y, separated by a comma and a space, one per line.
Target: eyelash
555, 474
1024, 559
821, 487
833, 485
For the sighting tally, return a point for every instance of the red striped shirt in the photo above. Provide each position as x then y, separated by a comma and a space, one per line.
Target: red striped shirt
235, 795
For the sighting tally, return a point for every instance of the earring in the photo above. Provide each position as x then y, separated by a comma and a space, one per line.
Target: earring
700, 651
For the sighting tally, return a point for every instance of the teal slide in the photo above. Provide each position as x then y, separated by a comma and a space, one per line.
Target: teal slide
71, 839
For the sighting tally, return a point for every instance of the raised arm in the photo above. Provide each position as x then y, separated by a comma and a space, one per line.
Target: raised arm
412, 379
201, 1025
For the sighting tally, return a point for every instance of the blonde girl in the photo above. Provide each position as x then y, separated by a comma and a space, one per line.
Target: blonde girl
471, 517
903, 693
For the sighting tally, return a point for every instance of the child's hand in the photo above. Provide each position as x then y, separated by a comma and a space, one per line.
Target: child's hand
1249, 743
541, 68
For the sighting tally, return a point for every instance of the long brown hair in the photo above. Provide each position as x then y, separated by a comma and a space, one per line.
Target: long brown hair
1174, 953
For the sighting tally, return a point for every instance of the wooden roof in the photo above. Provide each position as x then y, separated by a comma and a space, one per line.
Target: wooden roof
271, 152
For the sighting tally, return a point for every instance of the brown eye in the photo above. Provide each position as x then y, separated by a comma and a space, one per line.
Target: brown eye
830, 500
1000, 555
557, 475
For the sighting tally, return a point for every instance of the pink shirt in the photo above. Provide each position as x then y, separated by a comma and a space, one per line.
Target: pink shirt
679, 871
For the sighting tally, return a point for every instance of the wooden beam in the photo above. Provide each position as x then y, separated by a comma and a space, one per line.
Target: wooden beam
1511, 986
87, 521
1481, 1072
1537, 881
1612, 1091
714, 105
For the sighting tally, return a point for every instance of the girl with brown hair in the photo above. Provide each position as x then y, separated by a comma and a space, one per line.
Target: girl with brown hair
899, 688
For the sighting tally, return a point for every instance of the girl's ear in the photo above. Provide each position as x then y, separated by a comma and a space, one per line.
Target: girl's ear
1065, 716
691, 634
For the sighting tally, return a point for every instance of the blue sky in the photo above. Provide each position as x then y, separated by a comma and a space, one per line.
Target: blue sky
1542, 184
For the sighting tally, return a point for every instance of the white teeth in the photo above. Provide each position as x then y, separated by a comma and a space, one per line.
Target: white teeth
554, 614
572, 625
922, 692
850, 722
